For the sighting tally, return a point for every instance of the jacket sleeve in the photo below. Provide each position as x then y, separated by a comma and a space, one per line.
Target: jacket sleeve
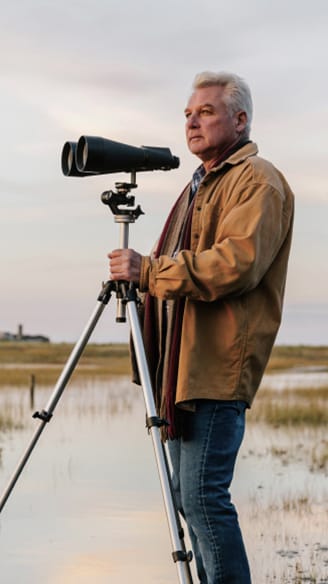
248, 236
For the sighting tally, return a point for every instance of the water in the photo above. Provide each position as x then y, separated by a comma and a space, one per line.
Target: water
88, 506
299, 377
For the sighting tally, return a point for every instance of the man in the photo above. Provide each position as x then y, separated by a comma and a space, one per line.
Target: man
213, 306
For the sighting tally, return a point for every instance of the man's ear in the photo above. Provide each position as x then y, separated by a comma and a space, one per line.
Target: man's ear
240, 121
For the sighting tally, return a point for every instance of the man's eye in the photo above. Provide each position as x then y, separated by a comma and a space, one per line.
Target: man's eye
206, 112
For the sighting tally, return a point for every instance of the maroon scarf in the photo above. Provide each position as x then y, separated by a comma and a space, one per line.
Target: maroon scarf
150, 333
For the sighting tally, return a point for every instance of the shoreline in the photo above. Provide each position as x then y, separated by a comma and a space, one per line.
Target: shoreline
21, 359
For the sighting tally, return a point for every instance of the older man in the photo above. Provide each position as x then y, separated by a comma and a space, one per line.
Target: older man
214, 292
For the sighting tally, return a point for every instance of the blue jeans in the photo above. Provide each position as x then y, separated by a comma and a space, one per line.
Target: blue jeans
203, 462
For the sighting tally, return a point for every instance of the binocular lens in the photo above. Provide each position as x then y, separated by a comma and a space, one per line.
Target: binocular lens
85, 154
70, 159
67, 159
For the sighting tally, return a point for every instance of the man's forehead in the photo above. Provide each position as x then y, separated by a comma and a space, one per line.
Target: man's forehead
210, 95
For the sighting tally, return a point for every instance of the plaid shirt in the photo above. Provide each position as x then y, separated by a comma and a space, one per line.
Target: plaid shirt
197, 178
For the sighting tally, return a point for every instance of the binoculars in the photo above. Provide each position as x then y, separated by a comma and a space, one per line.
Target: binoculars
93, 155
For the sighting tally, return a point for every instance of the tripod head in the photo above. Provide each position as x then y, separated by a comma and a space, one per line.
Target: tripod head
121, 198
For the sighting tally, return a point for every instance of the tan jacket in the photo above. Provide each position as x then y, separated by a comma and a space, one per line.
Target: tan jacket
233, 278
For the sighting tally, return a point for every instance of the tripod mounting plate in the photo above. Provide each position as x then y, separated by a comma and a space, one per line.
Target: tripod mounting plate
120, 203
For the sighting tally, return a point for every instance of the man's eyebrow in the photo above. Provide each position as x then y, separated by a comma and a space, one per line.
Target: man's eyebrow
187, 109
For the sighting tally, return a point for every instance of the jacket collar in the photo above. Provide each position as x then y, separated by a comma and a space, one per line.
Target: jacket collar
250, 149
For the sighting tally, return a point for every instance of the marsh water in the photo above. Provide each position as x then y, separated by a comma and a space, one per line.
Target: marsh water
88, 507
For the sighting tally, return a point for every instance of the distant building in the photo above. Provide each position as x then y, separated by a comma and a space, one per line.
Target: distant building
20, 336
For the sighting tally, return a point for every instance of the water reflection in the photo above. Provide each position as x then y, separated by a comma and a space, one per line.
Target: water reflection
90, 397
88, 506
297, 378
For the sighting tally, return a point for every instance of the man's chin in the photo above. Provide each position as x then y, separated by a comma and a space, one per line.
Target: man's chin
195, 148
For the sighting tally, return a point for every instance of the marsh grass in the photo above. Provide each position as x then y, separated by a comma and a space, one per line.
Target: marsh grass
288, 357
57, 353
291, 407
319, 456
311, 449
302, 576
9, 423
18, 361
10, 418
300, 505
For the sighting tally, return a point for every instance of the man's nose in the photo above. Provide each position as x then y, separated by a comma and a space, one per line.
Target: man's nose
192, 121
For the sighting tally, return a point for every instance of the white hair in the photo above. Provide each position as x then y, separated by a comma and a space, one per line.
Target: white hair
237, 95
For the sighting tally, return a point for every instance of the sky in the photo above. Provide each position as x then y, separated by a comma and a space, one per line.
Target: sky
123, 70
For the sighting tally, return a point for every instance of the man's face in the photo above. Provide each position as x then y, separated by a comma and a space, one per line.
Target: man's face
210, 129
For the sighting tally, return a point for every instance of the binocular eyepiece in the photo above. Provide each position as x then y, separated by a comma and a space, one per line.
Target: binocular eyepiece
92, 155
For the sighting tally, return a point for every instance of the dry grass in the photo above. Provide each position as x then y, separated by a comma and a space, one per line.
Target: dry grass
285, 357
10, 418
27, 352
291, 407
8, 423
18, 361
319, 456
45, 360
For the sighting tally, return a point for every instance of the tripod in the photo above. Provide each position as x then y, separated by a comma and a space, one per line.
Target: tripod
126, 301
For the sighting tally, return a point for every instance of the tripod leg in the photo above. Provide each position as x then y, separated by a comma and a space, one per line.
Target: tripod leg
179, 554
46, 414
188, 555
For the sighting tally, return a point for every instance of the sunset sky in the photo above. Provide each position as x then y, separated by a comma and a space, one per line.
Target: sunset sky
124, 70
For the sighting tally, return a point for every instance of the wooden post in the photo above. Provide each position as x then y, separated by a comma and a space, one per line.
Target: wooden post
32, 387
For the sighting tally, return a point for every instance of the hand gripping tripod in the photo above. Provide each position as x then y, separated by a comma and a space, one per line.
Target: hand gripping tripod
120, 203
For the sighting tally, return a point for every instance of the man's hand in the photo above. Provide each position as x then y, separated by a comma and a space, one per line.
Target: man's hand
124, 264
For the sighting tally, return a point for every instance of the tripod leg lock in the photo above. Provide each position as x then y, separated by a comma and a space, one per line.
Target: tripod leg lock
106, 291
181, 556
44, 416
155, 421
